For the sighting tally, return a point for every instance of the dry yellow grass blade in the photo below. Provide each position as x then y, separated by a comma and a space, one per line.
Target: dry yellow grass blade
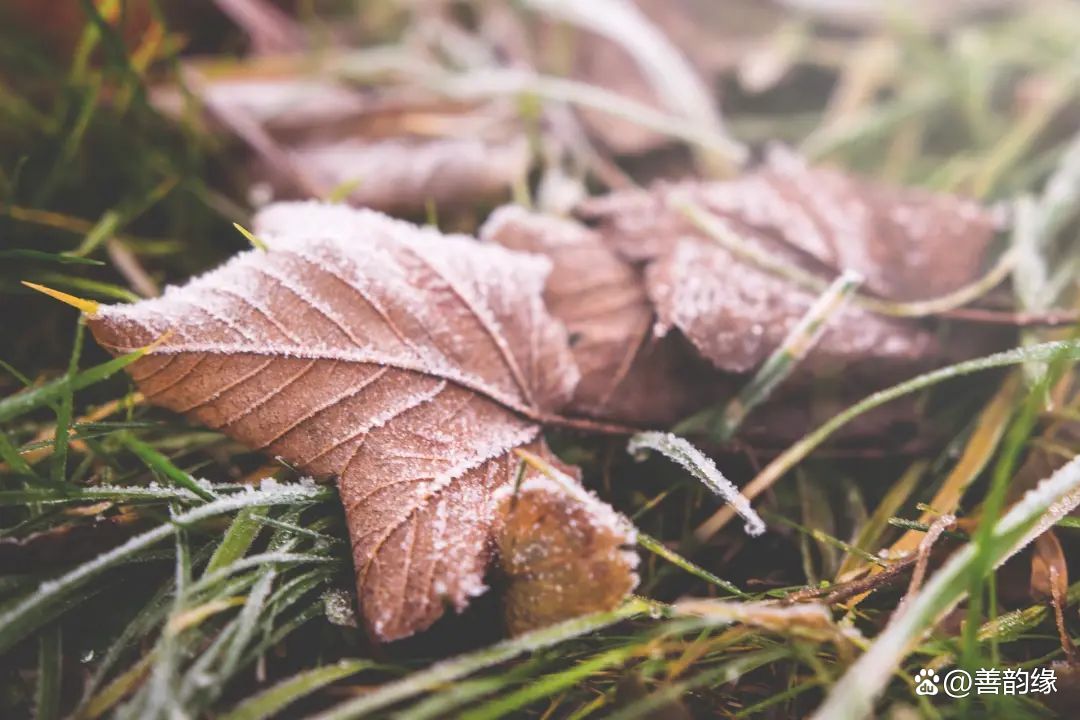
869, 536
96, 415
977, 453
87, 307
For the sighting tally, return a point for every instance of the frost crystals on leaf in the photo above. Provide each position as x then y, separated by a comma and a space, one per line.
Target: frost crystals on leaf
404, 362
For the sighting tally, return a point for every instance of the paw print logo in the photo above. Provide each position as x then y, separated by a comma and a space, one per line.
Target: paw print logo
926, 682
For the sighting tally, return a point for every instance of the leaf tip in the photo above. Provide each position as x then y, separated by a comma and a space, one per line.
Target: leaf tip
87, 307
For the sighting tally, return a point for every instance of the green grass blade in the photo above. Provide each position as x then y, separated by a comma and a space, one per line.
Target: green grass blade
1065, 350
277, 698
454, 669
10, 454
550, 684
442, 703
115, 493
239, 537
62, 258
32, 611
658, 548
50, 668
24, 402
164, 467
254, 561
726, 672
112, 693
1015, 440
852, 697
58, 468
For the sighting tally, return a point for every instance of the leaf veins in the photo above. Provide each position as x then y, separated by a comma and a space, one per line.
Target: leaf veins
404, 362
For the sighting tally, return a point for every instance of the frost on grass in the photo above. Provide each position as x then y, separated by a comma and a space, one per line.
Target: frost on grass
1036, 512
702, 467
15, 618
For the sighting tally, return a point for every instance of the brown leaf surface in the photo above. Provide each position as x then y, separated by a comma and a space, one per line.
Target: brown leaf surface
1049, 571
402, 361
403, 174
1050, 578
626, 374
562, 551
396, 149
736, 314
909, 244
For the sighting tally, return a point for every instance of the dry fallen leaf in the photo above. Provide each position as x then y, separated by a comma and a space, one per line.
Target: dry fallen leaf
1049, 571
404, 362
403, 175
630, 375
626, 374
562, 551
736, 314
1050, 579
908, 244
281, 103
395, 149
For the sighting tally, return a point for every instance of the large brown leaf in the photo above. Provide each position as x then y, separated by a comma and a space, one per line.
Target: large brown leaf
402, 361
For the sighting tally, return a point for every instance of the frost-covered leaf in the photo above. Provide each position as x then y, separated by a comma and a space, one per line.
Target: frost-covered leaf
404, 362
396, 149
282, 104
908, 244
405, 174
562, 551
626, 373
736, 314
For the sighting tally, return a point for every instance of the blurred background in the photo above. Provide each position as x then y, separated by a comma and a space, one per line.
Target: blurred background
133, 133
